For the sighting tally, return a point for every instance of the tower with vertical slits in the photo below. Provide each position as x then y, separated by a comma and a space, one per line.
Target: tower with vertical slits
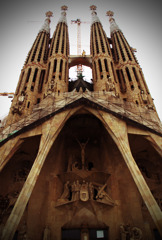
81, 160
102, 59
132, 85
30, 86
57, 67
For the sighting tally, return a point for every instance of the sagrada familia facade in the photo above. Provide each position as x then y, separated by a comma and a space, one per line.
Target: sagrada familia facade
81, 160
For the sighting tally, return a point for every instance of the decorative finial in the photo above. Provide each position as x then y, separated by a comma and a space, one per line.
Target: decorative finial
110, 13
64, 8
113, 26
46, 27
49, 14
63, 14
93, 7
94, 14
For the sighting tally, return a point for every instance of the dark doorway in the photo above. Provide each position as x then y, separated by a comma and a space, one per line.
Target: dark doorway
71, 234
93, 234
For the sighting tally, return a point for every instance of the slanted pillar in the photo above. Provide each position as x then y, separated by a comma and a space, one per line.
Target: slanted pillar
118, 131
50, 131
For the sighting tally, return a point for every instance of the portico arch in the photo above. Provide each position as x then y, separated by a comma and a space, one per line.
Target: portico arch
117, 130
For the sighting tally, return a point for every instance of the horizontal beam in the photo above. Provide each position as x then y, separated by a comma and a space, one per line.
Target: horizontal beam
79, 59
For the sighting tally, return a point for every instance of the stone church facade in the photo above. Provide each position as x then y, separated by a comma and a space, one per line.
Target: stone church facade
81, 160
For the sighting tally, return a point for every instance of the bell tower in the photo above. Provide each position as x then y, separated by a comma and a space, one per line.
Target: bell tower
102, 59
133, 87
57, 67
81, 160
31, 81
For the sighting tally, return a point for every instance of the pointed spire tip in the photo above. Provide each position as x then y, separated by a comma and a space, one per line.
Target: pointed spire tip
94, 14
49, 14
110, 13
63, 14
113, 26
93, 7
46, 25
64, 8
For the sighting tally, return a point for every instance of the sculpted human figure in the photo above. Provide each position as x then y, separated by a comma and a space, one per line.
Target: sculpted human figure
82, 146
110, 85
144, 96
77, 190
91, 191
125, 232
73, 188
46, 234
51, 87
122, 233
102, 195
136, 233
74, 166
66, 193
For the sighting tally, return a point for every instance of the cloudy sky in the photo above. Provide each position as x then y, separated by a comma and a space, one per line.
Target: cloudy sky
139, 20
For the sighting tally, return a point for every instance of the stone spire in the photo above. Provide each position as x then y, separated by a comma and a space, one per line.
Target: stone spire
113, 26
31, 81
63, 14
57, 69
94, 14
133, 87
46, 26
102, 61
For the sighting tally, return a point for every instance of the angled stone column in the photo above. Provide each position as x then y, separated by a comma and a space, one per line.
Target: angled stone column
118, 131
50, 131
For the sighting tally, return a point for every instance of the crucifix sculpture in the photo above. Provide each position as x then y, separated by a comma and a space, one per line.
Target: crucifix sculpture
82, 146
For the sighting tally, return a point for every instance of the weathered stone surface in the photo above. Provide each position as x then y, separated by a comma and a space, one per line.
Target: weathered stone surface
82, 162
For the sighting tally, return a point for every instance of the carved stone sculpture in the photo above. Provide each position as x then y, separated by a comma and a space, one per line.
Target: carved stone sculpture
110, 85
91, 191
103, 196
52, 86
144, 96
77, 190
125, 232
66, 193
82, 146
73, 191
136, 233
12, 198
130, 233
84, 191
46, 234
74, 166
84, 194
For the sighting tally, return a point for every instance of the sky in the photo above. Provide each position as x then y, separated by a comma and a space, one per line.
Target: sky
20, 21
